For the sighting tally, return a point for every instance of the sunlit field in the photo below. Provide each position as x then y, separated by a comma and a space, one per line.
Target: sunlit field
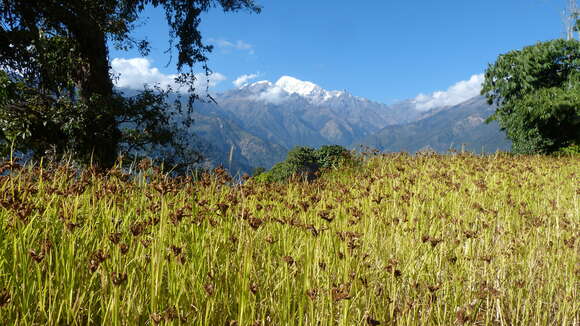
397, 240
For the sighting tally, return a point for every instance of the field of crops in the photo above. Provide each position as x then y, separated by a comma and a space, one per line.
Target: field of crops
398, 240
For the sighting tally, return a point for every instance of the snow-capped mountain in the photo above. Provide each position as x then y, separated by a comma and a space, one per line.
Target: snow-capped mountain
310, 91
292, 112
288, 88
259, 122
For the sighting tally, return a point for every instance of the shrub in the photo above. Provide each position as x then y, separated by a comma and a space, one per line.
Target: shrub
572, 150
257, 171
306, 162
331, 156
302, 160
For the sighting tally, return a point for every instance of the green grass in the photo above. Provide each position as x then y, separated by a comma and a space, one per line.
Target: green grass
401, 240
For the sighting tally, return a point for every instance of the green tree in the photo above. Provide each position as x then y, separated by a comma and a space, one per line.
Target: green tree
306, 162
258, 170
56, 57
302, 161
537, 93
330, 156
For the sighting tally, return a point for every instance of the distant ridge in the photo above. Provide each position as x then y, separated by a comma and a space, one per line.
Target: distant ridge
459, 126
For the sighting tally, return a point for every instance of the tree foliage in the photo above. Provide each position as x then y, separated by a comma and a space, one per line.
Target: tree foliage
57, 88
537, 93
331, 156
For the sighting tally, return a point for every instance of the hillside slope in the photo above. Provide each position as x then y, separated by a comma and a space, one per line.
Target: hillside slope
462, 124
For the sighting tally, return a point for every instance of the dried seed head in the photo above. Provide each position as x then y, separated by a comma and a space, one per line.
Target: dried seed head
118, 278
124, 248
70, 226
176, 250
371, 321
341, 292
255, 222
254, 287
37, 257
270, 239
115, 237
209, 289
289, 260
156, 318
146, 242
312, 294
486, 258
45, 246
325, 215
223, 208
96, 259
5, 297
137, 228
313, 230
153, 221
435, 241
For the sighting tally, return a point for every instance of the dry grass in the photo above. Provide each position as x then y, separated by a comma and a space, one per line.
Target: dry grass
401, 240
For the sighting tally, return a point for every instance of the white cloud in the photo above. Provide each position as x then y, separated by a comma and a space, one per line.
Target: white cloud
266, 91
274, 95
459, 92
241, 45
243, 79
136, 72
238, 45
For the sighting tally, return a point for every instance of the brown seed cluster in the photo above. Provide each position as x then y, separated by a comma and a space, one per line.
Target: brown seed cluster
5, 297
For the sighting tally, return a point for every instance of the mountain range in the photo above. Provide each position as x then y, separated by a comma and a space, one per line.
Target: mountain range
256, 124
456, 127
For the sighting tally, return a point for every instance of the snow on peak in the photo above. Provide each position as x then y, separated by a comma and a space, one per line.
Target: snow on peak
259, 84
257, 87
293, 85
309, 90
285, 87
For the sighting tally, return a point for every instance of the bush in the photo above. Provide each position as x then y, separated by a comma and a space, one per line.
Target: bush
302, 160
257, 171
331, 156
572, 150
280, 172
306, 162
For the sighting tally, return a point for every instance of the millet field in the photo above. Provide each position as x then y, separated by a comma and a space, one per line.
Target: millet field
395, 240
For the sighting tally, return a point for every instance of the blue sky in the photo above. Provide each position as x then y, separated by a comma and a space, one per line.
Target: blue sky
378, 49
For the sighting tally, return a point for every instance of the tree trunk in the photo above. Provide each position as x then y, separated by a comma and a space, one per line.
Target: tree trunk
96, 90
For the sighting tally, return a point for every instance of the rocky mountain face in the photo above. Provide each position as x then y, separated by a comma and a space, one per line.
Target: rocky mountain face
441, 129
256, 124
291, 112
